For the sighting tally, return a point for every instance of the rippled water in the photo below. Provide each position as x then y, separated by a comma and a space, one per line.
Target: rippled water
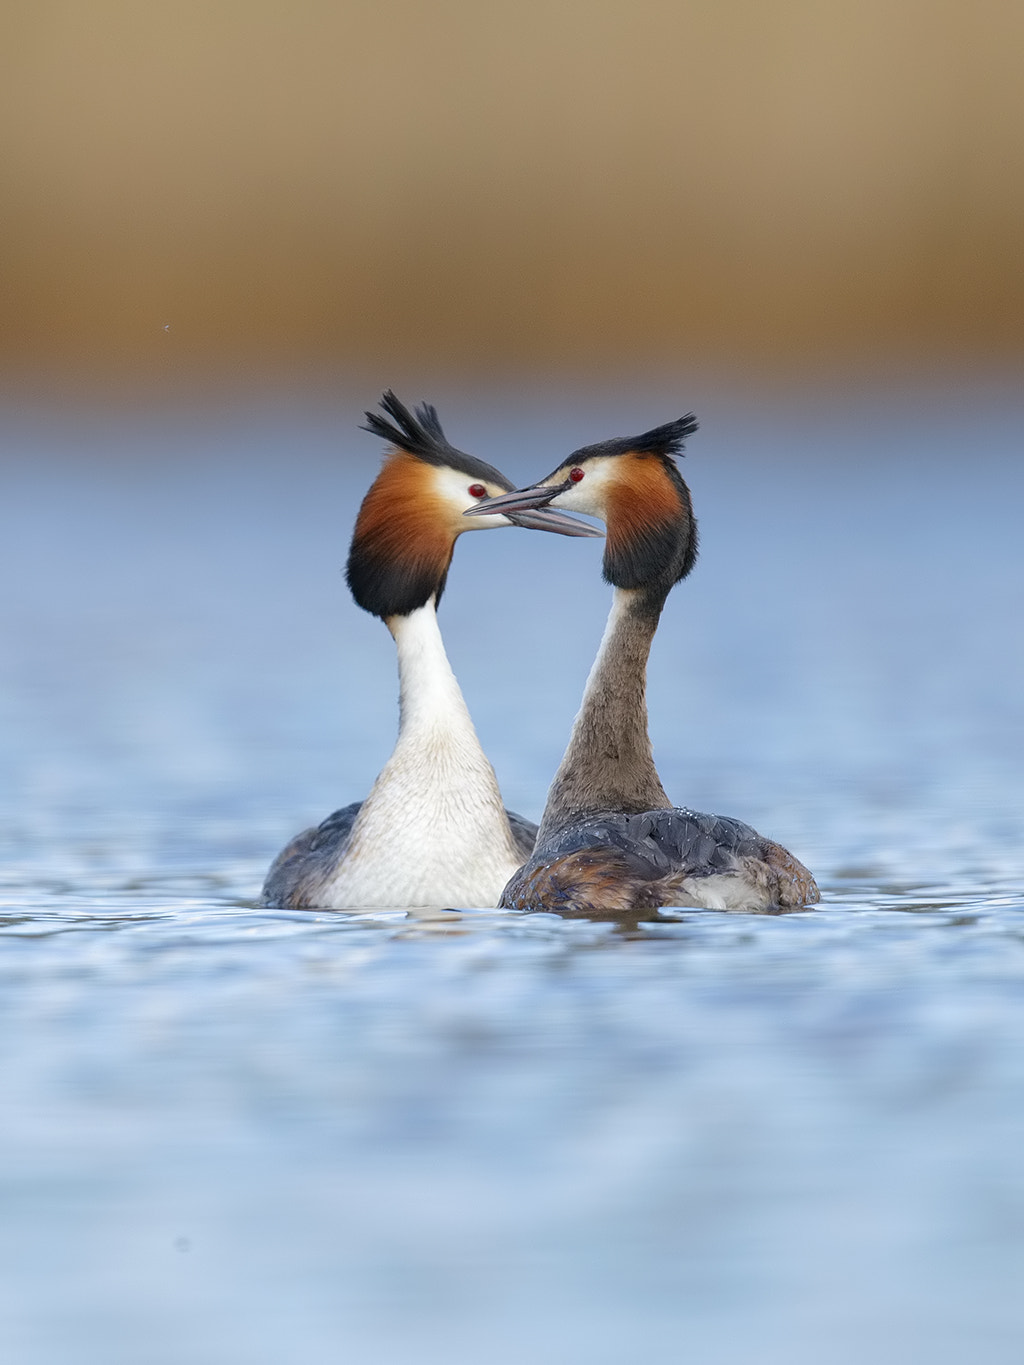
233, 1134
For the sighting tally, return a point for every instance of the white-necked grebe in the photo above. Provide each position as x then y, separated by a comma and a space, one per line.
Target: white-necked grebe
433, 831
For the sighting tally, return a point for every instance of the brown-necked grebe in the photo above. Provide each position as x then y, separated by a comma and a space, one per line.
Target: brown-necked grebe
609, 839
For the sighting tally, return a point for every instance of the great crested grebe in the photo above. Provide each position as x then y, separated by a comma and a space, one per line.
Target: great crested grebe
433, 831
609, 838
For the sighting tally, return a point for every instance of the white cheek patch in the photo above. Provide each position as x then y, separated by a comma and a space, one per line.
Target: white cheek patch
591, 493
453, 490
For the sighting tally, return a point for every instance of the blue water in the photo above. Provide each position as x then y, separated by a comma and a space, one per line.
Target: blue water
230, 1134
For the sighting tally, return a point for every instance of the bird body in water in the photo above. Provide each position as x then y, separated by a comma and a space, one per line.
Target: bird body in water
433, 831
610, 840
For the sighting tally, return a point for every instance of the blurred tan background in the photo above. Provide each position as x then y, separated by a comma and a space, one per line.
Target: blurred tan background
530, 184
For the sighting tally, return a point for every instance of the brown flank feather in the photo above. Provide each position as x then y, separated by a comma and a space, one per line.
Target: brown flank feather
575, 884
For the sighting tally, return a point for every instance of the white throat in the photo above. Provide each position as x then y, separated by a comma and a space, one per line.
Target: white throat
433, 830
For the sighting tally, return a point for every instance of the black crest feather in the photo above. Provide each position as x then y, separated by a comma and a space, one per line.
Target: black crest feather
664, 440
423, 436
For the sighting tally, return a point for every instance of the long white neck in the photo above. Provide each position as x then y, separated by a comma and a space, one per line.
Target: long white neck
433, 830
429, 697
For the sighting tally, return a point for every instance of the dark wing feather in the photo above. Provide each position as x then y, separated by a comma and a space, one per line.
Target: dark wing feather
332, 835
661, 843
524, 833
301, 867
616, 862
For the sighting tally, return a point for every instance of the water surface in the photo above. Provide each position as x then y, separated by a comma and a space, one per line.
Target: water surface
236, 1134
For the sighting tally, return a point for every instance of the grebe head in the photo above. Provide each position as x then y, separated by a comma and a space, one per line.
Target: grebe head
633, 484
413, 512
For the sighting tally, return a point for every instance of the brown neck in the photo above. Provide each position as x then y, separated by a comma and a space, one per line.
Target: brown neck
608, 765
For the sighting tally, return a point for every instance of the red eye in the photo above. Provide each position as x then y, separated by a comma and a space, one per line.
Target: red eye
477, 490
575, 475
